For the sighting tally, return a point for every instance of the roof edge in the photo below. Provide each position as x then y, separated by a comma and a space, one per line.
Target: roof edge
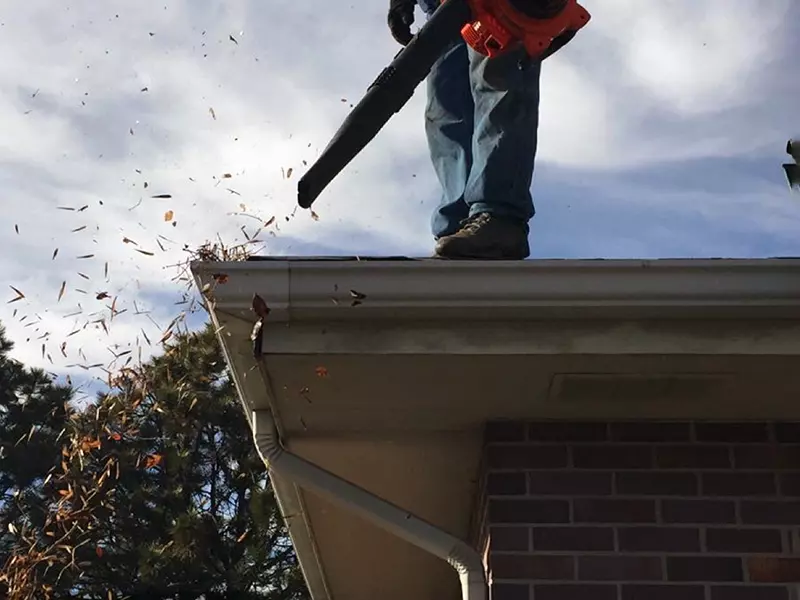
328, 289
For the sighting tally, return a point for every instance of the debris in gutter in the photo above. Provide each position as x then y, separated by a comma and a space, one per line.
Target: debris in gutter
357, 297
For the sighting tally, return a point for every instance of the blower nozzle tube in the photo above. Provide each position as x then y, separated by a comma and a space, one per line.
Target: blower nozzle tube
392, 89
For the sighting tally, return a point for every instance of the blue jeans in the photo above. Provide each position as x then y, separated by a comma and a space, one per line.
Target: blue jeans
481, 121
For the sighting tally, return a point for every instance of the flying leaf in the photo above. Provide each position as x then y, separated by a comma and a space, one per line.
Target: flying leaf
127, 240
55, 253
16, 228
289, 173
314, 216
213, 114
226, 175
168, 215
241, 538
269, 222
233, 39
102, 296
61, 291
20, 295
145, 252
86, 256
77, 229
162, 196
153, 460
194, 401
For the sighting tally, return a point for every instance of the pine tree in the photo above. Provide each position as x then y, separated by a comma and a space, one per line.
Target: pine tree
34, 412
161, 493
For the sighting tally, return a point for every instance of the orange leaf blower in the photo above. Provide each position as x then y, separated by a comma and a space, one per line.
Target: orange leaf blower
490, 27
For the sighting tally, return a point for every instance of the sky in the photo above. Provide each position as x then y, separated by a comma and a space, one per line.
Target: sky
663, 126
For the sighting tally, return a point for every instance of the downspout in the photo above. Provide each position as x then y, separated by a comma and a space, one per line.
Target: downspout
463, 558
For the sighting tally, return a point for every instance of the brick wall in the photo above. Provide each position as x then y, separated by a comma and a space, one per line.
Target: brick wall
641, 511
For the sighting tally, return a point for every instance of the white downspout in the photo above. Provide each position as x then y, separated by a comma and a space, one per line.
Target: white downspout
394, 519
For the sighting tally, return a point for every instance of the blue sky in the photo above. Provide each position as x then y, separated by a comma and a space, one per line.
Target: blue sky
663, 127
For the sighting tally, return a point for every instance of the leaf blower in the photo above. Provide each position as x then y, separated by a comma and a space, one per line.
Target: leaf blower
490, 27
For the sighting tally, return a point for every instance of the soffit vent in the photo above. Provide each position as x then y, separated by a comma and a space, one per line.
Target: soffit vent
645, 387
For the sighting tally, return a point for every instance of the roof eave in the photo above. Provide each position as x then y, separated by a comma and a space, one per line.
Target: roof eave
443, 290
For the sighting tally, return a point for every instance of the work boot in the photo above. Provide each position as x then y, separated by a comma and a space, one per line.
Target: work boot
485, 236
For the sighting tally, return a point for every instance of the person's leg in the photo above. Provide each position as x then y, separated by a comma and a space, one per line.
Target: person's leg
506, 97
449, 116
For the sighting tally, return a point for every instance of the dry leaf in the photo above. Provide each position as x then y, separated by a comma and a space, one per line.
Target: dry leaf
168, 215
194, 401
20, 295
226, 175
61, 291
314, 216
289, 173
260, 306
127, 240
153, 460
241, 538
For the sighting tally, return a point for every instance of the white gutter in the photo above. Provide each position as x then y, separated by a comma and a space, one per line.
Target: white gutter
445, 291
463, 558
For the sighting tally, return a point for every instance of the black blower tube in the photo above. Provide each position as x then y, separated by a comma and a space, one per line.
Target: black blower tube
393, 88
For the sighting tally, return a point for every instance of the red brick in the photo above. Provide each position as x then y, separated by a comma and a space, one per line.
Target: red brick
510, 538
749, 592
585, 591
698, 511
619, 568
731, 432
604, 456
528, 511
664, 431
704, 568
568, 431
789, 484
663, 592
569, 483
767, 512
743, 540
526, 456
693, 456
787, 431
773, 569
586, 539
608, 510
659, 539
510, 591
738, 484
657, 483
504, 431
505, 484
766, 456
531, 566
